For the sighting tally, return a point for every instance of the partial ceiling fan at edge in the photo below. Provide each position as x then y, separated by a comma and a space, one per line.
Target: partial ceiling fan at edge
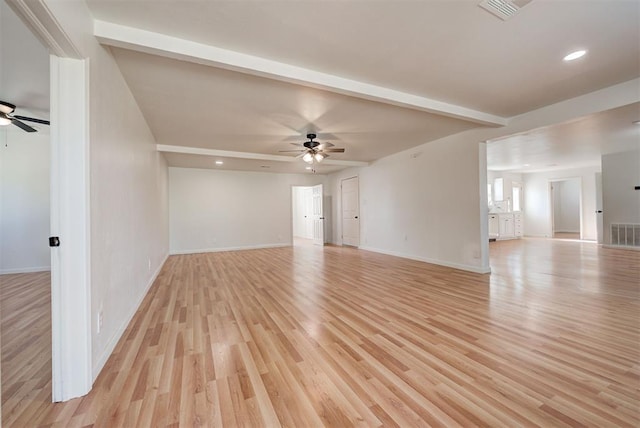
8, 118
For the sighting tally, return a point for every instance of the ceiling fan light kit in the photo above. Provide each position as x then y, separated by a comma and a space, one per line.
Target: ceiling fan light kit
313, 151
7, 118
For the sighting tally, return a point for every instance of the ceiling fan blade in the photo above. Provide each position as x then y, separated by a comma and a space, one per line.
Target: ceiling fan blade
291, 151
327, 144
32, 119
302, 154
333, 150
22, 125
296, 144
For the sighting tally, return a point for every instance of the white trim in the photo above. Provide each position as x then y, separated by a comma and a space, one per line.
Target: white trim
37, 16
219, 250
25, 270
113, 341
70, 220
246, 155
186, 50
468, 268
484, 204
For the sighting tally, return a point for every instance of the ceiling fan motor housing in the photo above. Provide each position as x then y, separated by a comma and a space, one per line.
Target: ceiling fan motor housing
311, 144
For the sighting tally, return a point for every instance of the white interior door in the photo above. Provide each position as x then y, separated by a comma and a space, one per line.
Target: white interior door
309, 219
350, 212
599, 223
318, 216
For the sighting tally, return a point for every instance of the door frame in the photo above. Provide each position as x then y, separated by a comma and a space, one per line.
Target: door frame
70, 195
342, 210
599, 210
293, 201
550, 183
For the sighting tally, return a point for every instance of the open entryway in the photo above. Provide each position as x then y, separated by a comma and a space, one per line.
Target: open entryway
307, 215
566, 205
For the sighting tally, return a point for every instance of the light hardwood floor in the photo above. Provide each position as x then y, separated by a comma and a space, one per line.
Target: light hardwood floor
305, 336
25, 330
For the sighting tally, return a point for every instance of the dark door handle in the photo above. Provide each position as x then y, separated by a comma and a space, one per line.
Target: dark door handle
356, 216
598, 211
54, 241
321, 218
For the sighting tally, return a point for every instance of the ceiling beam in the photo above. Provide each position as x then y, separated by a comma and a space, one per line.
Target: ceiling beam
247, 155
186, 50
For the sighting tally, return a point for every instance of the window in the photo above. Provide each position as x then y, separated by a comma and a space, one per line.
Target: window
516, 196
489, 198
498, 189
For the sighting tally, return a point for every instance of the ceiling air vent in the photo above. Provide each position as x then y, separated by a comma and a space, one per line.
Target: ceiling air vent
503, 9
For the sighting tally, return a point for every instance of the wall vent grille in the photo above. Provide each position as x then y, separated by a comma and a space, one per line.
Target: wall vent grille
625, 235
503, 9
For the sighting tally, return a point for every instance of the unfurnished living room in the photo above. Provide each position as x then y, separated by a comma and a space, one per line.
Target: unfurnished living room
320, 213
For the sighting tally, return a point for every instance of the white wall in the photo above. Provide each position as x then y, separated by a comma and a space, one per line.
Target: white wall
423, 204
213, 210
537, 209
566, 206
24, 201
129, 204
621, 203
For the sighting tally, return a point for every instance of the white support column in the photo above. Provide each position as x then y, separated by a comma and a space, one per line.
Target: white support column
484, 208
70, 262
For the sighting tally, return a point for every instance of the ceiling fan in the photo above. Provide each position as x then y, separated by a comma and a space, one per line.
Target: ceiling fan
7, 118
314, 151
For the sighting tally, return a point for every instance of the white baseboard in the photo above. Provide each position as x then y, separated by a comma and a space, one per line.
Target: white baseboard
468, 268
108, 350
218, 250
25, 270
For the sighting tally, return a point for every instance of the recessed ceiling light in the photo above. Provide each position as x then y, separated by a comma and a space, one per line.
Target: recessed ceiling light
219, 162
575, 55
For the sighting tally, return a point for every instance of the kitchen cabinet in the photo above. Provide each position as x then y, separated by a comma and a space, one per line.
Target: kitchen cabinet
506, 225
518, 229
494, 226
507, 229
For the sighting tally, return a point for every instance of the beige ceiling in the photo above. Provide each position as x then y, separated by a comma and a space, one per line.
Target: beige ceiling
194, 105
452, 51
574, 144
448, 51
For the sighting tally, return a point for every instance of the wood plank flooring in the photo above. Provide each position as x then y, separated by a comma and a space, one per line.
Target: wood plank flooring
25, 330
305, 336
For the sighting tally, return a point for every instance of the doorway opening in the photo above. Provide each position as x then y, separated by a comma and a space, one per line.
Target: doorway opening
565, 201
307, 215
25, 281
